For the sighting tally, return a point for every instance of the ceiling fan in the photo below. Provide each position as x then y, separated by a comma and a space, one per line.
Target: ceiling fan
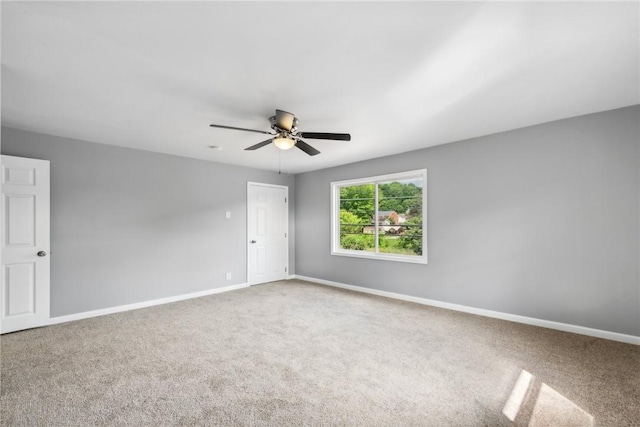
286, 135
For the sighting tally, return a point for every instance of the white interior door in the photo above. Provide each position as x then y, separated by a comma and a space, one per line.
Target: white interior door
24, 300
267, 231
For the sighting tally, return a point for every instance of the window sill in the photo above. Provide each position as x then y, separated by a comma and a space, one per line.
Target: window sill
382, 257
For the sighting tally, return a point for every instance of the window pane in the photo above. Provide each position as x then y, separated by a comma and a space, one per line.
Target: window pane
400, 217
356, 216
382, 218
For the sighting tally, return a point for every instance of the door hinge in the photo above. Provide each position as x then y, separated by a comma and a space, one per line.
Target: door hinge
285, 235
285, 200
285, 269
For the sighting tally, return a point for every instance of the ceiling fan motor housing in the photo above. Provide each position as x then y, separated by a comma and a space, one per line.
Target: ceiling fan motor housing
273, 120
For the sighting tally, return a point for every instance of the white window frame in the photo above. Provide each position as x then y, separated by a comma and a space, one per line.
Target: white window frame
335, 217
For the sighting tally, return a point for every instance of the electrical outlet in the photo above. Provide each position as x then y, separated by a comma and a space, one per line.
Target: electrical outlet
228, 276
227, 215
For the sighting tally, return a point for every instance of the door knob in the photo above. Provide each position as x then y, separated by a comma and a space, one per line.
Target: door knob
253, 241
42, 253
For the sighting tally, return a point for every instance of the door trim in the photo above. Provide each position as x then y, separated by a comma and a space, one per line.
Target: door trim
286, 219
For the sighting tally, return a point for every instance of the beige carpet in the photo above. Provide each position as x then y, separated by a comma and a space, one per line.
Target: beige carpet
294, 353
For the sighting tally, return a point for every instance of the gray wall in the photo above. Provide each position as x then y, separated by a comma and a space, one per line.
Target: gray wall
130, 225
541, 222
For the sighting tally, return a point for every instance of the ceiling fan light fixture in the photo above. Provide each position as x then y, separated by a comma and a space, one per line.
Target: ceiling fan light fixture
283, 142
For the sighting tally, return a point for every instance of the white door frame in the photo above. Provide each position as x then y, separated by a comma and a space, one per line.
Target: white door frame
286, 220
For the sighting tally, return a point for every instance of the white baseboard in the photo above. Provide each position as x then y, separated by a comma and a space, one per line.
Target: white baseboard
598, 333
143, 304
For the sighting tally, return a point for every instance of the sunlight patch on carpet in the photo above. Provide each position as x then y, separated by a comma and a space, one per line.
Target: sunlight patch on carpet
546, 407
553, 409
512, 407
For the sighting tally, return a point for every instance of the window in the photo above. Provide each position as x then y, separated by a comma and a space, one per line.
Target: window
382, 217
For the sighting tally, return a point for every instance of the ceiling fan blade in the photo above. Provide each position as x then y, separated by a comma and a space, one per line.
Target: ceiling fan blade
247, 130
306, 148
284, 120
320, 135
259, 145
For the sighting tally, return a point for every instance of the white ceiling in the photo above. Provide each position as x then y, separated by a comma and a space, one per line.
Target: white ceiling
397, 76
